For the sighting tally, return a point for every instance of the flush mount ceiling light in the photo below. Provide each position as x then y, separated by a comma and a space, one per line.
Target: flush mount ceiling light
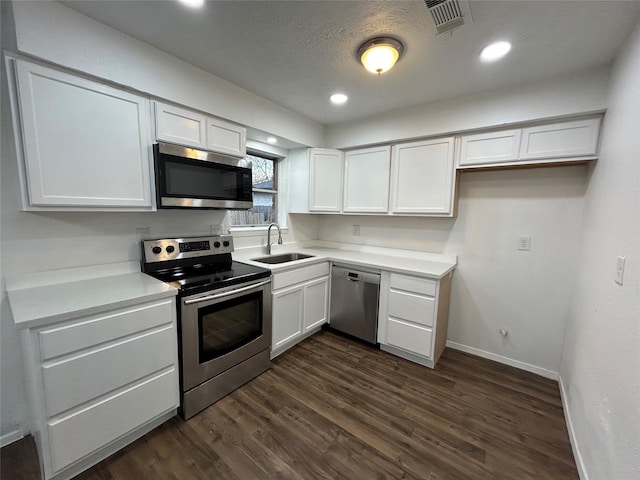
380, 54
272, 140
192, 3
495, 51
338, 98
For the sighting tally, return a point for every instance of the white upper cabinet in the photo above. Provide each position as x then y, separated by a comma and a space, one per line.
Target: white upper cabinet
192, 129
565, 139
86, 145
487, 148
366, 180
315, 180
325, 180
553, 143
423, 177
225, 137
180, 126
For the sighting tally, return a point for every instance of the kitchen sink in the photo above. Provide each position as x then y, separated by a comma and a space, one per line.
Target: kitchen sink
283, 258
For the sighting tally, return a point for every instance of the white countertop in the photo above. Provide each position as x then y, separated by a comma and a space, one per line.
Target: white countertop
43, 304
389, 259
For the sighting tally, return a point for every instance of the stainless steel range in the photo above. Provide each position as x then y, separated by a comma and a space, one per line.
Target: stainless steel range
224, 315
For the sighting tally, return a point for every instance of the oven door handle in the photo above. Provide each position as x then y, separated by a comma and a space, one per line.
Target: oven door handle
226, 294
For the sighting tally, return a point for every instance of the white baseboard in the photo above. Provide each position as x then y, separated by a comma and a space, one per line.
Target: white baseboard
582, 471
543, 372
11, 437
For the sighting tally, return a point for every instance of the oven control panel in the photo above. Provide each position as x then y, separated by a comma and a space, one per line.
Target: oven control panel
166, 249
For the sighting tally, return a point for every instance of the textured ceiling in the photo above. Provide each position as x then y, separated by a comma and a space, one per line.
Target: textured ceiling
296, 53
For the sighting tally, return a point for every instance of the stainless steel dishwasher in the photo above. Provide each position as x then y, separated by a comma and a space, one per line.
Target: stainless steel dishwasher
354, 302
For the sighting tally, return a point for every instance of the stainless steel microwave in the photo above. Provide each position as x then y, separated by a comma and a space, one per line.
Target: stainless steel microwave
189, 178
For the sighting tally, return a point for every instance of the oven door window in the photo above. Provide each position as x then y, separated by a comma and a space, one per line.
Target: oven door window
227, 326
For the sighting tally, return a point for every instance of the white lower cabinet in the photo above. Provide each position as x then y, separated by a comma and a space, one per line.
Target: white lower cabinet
316, 294
287, 310
413, 316
98, 382
300, 299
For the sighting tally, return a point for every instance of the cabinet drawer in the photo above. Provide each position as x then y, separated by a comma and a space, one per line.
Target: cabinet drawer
423, 286
415, 308
89, 429
299, 275
413, 338
103, 328
84, 377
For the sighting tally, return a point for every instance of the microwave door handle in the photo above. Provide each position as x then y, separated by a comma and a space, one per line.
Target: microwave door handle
226, 294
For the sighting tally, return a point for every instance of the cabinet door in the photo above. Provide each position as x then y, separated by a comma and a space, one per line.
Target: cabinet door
227, 138
490, 148
423, 179
287, 315
316, 296
180, 126
366, 180
325, 180
85, 144
565, 139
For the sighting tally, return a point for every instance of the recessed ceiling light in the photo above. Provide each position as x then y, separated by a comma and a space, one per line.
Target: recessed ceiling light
192, 3
338, 98
495, 51
272, 140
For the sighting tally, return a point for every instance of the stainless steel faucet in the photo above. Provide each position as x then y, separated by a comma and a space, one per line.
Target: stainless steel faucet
269, 237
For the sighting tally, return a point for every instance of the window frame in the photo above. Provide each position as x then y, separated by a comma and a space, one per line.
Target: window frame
276, 203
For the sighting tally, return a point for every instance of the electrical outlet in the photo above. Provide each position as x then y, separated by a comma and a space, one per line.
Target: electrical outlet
524, 243
620, 270
356, 230
142, 233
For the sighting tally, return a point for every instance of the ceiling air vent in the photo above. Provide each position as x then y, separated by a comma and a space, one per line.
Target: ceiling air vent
448, 14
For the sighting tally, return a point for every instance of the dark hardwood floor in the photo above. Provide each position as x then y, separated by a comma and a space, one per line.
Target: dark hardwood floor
332, 408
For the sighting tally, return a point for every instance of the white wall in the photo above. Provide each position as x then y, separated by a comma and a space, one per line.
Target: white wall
495, 285
600, 369
583, 92
53, 32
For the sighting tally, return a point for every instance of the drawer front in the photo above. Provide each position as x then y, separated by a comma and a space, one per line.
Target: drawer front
413, 338
84, 377
78, 435
104, 328
299, 275
415, 308
423, 286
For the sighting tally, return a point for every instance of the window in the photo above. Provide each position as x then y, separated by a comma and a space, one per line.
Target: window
265, 194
